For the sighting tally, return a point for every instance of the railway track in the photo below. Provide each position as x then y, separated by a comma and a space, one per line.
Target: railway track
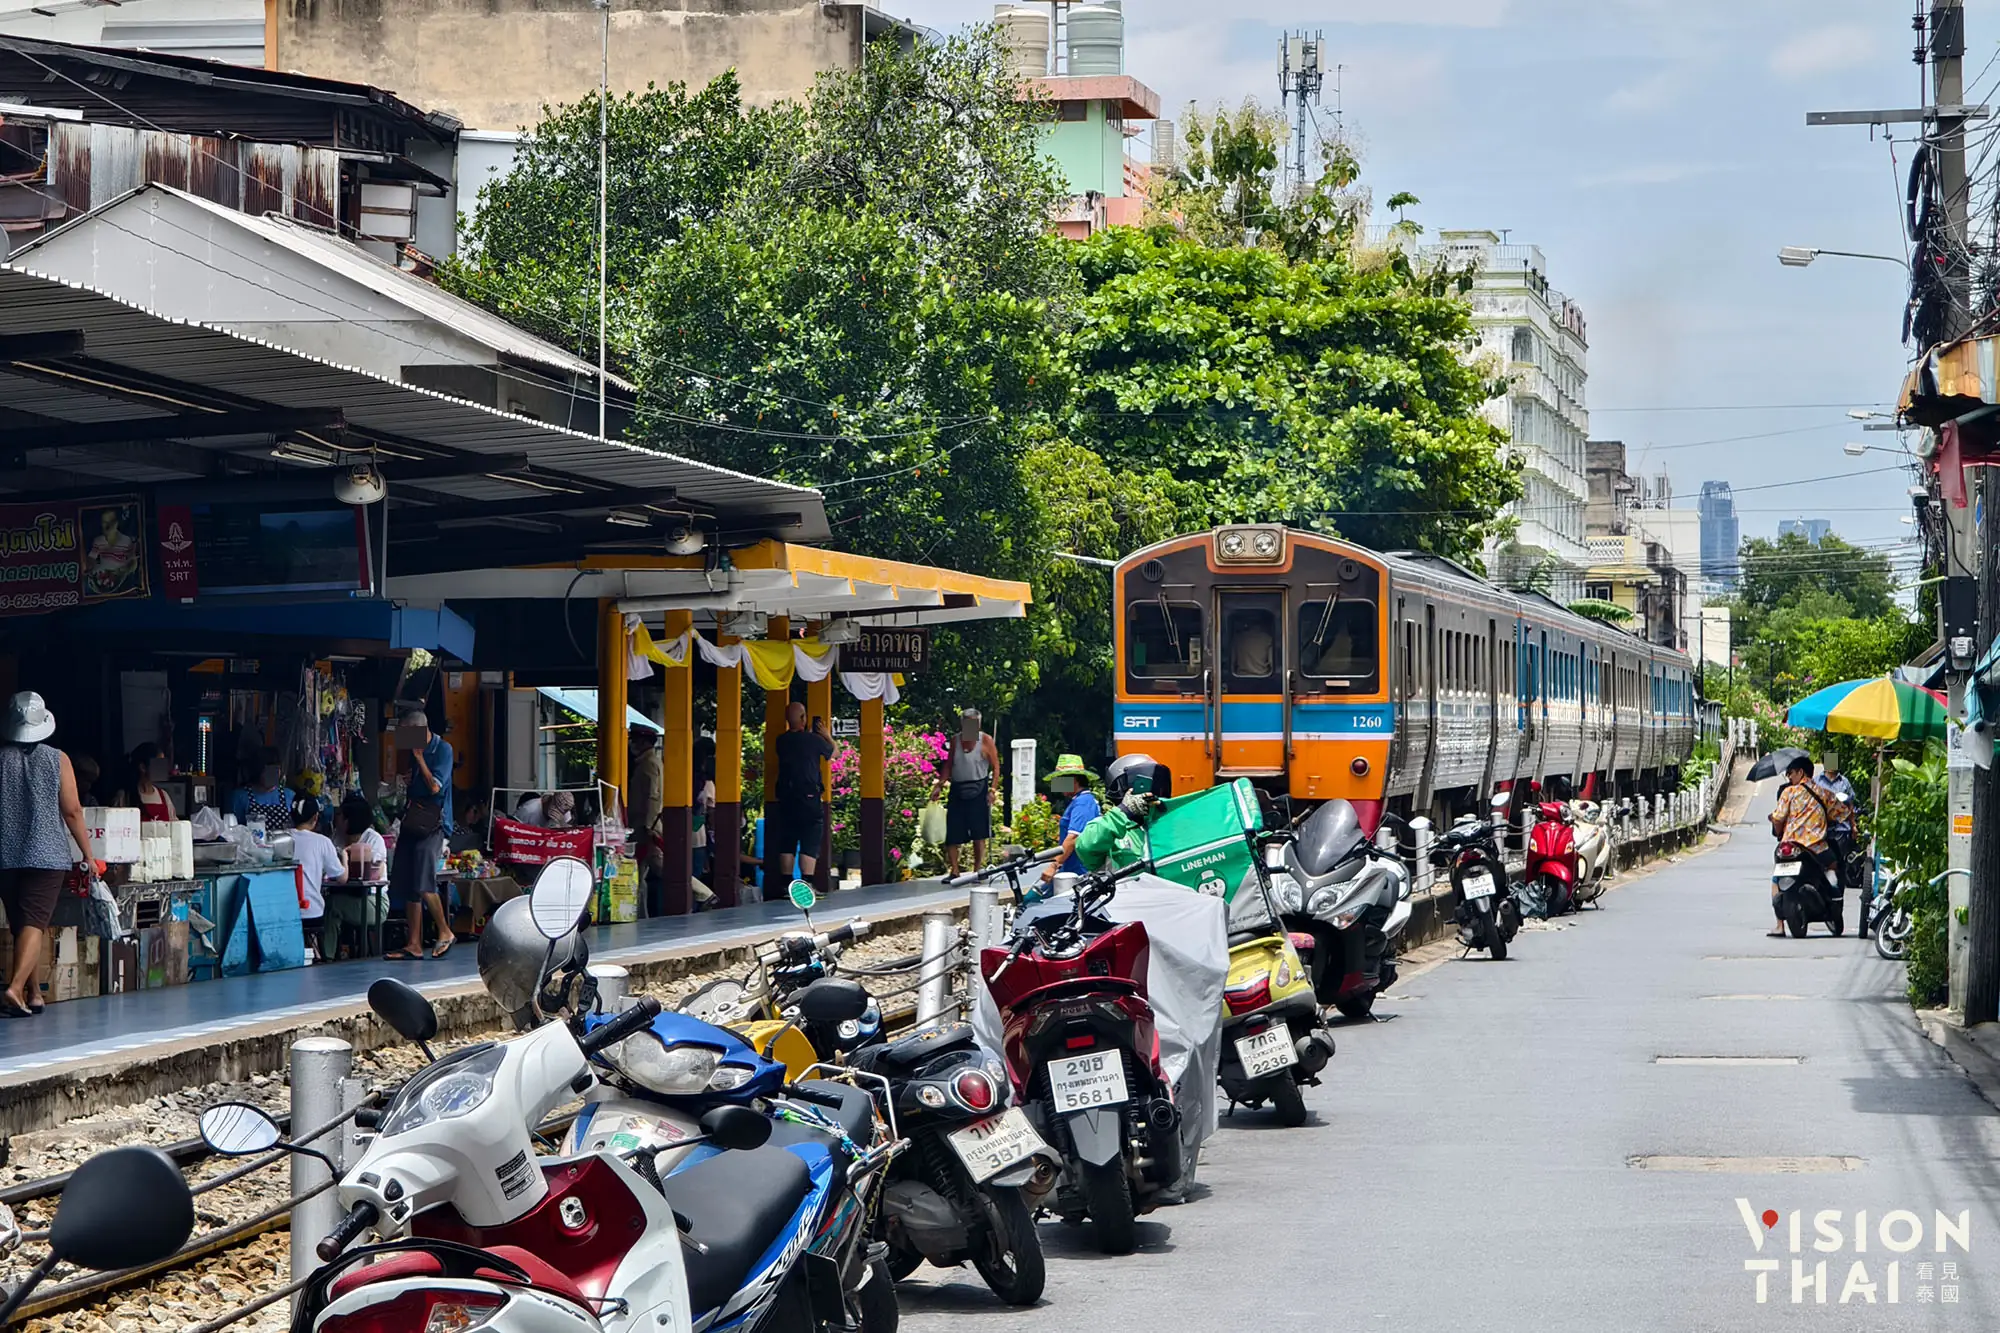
191, 1154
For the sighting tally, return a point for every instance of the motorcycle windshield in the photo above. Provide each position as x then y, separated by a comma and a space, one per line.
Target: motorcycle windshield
1329, 836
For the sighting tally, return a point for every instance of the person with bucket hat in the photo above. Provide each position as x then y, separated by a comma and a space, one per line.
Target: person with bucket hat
37, 801
1070, 782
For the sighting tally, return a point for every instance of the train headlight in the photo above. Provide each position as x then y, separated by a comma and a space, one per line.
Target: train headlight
1259, 545
1359, 767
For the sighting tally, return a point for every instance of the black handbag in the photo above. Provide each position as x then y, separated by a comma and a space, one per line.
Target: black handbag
421, 819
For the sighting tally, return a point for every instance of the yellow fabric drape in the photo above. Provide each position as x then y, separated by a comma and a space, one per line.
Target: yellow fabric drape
771, 661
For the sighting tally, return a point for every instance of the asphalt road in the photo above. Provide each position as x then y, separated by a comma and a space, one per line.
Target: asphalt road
1469, 1164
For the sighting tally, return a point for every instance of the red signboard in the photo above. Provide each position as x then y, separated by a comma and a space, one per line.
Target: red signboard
67, 553
177, 577
531, 844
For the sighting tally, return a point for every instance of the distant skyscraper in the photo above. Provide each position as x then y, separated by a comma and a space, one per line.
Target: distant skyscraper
1812, 529
1719, 535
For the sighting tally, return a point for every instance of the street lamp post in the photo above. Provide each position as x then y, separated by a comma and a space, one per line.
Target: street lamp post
1801, 256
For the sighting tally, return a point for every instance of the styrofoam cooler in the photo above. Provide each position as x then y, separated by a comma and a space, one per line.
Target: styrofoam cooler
114, 833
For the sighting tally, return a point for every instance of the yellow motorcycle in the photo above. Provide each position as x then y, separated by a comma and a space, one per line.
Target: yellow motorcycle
1273, 1039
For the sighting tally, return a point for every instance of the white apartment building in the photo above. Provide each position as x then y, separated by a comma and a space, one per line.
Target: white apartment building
1540, 337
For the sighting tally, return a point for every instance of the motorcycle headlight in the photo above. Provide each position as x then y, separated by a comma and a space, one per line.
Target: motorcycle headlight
455, 1086
681, 1071
729, 1078
1344, 920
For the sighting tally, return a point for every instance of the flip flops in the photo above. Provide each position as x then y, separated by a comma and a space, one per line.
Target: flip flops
400, 956
12, 1008
444, 947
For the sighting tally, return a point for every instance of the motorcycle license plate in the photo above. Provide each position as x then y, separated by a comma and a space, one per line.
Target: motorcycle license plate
1786, 869
1266, 1052
1079, 1082
990, 1146
1479, 884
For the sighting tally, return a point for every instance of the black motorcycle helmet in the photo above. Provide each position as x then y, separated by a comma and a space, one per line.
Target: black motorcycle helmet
1137, 773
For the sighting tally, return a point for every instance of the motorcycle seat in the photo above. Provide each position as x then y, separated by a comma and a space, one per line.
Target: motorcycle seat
735, 1204
909, 1054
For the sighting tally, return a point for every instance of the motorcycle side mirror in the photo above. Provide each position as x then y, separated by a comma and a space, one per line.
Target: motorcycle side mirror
238, 1129
736, 1128
561, 895
832, 1000
1500, 801
121, 1209
404, 1008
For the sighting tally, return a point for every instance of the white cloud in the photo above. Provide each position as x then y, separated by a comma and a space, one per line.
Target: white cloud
1655, 92
1651, 173
1827, 51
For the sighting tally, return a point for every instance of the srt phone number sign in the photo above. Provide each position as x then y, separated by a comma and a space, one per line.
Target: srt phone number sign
904, 650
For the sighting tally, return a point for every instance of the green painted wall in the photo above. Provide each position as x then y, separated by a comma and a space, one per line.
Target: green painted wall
1090, 153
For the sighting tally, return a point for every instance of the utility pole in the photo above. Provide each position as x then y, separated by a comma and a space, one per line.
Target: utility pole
1300, 76
1974, 797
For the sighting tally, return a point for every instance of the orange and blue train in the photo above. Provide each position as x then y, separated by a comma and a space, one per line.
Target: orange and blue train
1404, 683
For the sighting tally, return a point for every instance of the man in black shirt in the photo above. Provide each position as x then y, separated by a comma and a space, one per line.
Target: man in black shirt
798, 821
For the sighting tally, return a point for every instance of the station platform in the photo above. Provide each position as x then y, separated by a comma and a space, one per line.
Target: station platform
86, 1030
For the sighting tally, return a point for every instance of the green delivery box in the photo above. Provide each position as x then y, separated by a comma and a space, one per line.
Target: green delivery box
1200, 839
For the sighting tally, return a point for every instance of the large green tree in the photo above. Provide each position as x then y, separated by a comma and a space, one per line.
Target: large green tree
1310, 391
1830, 579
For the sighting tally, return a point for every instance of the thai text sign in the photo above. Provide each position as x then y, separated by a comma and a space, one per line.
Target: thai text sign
885, 649
70, 553
531, 844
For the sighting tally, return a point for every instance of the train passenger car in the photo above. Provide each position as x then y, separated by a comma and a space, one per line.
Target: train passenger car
1319, 669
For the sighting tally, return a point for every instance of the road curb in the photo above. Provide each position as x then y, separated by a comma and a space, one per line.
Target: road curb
1975, 1050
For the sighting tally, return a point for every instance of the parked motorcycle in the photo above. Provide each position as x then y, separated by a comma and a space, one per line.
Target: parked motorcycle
1273, 1040
1806, 893
784, 967
1345, 902
1484, 907
1554, 867
1889, 921
967, 1187
1083, 1053
1593, 850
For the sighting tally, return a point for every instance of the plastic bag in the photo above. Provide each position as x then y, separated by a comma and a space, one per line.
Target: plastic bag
931, 824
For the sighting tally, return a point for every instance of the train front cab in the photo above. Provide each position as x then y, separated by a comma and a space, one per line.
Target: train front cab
1256, 652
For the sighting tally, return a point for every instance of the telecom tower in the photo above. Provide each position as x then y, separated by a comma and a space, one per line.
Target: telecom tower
1301, 73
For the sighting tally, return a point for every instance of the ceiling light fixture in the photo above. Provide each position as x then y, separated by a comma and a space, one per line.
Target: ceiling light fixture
630, 518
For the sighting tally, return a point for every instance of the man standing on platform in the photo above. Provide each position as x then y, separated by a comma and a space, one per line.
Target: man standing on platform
968, 814
800, 821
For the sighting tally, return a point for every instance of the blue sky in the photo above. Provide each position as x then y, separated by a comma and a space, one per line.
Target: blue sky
1657, 151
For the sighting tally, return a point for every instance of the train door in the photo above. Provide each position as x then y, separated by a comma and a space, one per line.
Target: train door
1427, 685
1251, 712
1402, 680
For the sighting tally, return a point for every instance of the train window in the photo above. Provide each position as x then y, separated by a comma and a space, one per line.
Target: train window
1338, 643
1251, 649
1159, 648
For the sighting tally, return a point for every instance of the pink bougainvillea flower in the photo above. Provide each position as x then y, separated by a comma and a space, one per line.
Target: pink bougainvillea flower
895, 853
907, 812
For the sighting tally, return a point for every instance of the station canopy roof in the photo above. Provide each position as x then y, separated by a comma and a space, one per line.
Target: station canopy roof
96, 393
768, 577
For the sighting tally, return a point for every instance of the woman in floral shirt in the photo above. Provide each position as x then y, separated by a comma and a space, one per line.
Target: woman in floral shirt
1800, 816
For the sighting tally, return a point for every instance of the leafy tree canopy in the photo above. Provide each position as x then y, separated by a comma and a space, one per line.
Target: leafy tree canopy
1831, 580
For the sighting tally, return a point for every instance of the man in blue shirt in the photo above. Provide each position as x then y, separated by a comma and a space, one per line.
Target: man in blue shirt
1070, 784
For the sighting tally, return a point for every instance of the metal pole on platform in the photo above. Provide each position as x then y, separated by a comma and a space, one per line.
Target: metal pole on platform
319, 1066
939, 958
613, 983
983, 917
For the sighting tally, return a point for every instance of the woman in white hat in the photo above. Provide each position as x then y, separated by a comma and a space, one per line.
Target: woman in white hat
37, 800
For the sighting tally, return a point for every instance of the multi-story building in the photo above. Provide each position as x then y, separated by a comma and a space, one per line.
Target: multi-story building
1540, 337
1072, 56
1645, 551
1719, 535
229, 30
1812, 529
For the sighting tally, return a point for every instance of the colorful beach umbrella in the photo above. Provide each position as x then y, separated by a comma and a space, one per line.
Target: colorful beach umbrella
1885, 709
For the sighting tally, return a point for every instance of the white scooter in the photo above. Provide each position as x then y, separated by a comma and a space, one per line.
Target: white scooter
1593, 850
479, 1232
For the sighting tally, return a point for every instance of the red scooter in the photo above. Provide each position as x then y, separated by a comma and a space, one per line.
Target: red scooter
1083, 1052
1553, 864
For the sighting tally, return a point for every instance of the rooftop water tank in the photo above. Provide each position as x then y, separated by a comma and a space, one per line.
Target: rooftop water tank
1025, 35
1096, 39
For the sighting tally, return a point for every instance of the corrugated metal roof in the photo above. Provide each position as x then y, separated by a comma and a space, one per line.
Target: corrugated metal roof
202, 356
353, 263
